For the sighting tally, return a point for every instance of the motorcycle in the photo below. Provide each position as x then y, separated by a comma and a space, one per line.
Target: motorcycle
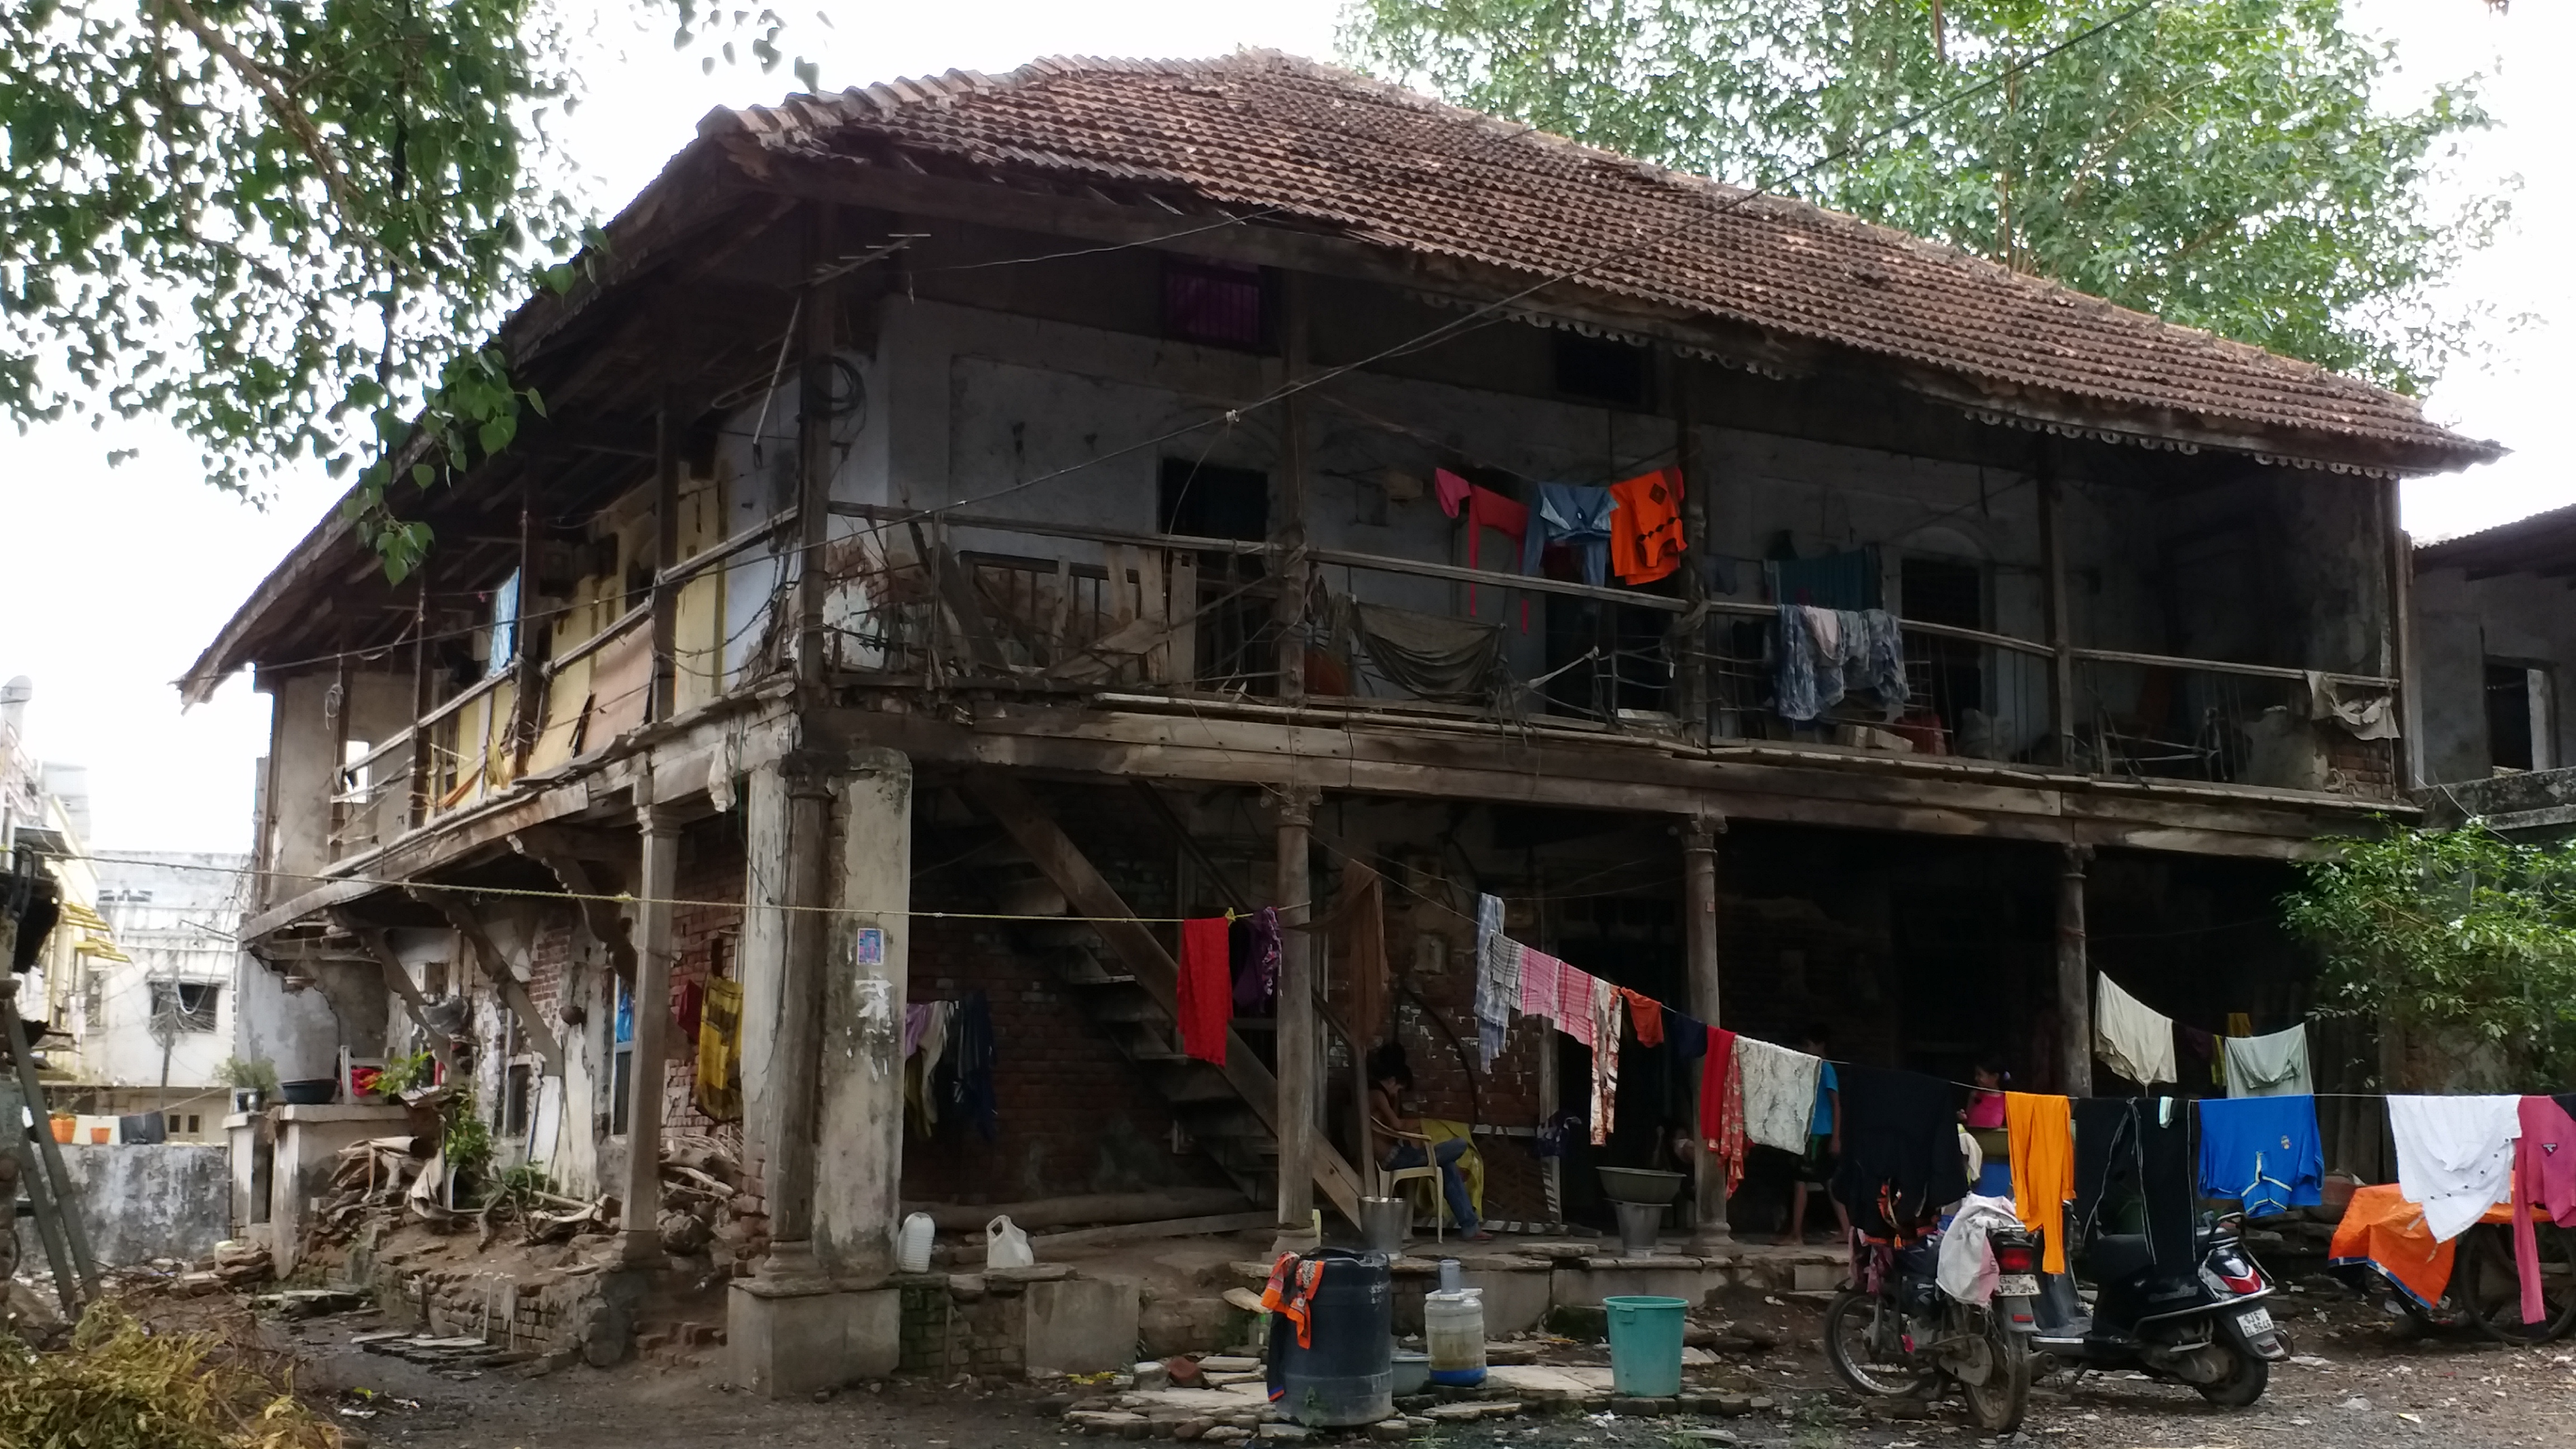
1896, 1333
2206, 1326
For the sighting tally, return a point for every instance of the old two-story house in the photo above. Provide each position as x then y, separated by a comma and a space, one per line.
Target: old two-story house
977, 522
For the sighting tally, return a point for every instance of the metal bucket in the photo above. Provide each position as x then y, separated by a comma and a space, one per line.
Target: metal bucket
1639, 1224
1384, 1222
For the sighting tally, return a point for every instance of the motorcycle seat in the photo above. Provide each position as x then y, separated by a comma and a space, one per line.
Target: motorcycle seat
2112, 1257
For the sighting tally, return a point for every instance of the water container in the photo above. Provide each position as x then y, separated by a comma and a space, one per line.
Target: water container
1005, 1246
1453, 1329
1345, 1375
1645, 1346
912, 1246
1450, 1281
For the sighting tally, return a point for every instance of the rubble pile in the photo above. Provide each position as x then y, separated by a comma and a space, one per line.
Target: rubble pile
707, 1209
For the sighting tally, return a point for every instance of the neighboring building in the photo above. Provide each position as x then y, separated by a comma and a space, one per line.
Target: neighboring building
2495, 627
977, 521
153, 1031
44, 819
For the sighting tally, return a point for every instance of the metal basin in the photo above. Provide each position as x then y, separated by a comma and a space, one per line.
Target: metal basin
1640, 1184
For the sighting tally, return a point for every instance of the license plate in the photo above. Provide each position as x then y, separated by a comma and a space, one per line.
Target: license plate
2018, 1285
2255, 1320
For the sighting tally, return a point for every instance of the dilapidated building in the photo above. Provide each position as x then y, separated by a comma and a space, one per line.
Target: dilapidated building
977, 522
2492, 623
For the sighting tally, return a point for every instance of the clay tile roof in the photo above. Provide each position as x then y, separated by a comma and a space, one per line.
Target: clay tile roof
1322, 147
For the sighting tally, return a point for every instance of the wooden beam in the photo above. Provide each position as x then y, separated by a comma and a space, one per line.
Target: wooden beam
487, 955
398, 980
557, 852
1070, 871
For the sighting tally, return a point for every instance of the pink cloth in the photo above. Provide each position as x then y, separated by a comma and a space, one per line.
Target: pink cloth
1539, 984
1488, 509
1574, 1002
1452, 490
1985, 1110
2544, 1176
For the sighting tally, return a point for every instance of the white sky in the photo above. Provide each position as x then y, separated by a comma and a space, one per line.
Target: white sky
116, 578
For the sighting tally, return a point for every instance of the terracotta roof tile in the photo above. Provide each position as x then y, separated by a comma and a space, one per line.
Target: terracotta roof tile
1394, 169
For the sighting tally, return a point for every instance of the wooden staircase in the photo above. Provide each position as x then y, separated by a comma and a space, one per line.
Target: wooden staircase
1129, 984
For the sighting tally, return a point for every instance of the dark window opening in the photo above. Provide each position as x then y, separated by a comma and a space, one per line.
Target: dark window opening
1947, 676
193, 1120
1218, 305
2509, 737
621, 1040
516, 1097
1202, 500
1599, 370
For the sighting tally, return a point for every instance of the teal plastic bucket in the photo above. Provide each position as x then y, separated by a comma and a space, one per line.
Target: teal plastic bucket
1646, 1346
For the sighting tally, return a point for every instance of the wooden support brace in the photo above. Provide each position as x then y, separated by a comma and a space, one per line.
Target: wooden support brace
398, 980
514, 992
599, 915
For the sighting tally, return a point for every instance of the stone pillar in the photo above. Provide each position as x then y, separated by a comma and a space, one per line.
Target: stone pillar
825, 951
787, 1135
762, 959
639, 1237
2074, 978
1298, 1043
1699, 949
858, 1160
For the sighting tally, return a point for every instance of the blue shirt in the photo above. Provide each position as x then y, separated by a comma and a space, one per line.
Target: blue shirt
1826, 1085
2263, 1152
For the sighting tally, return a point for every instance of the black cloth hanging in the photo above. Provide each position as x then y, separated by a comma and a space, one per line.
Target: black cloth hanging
971, 1052
1901, 1162
2133, 1172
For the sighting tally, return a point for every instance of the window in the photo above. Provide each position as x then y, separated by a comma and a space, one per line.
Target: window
193, 1120
1215, 304
1598, 369
2520, 727
1201, 500
505, 626
185, 1005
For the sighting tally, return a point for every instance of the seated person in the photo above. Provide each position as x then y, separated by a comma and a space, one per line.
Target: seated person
1390, 1077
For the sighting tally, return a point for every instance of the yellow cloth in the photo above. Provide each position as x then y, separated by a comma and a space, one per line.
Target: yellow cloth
2043, 1168
1471, 1165
719, 1089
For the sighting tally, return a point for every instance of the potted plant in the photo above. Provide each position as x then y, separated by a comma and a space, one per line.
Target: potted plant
253, 1082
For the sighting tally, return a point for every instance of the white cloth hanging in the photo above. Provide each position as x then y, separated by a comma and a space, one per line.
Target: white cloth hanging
2131, 1040
2269, 1066
1779, 1093
2454, 1156
1966, 1268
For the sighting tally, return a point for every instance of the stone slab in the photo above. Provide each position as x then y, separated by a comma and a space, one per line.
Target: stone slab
787, 1345
1081, 1325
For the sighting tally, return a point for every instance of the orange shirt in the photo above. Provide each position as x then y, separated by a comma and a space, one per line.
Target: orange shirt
2043, 1169
1646, 527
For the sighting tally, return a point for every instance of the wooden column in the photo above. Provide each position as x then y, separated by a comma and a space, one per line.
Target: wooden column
2074, 977
1689, 646
666, 554
2052, 547
639, 1235
1699, 948
2398, 656
1288, 530
1298, 1065
421, 756
821, 314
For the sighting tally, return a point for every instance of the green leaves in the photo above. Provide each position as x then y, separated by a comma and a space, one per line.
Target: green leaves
2221, 163
2461, 933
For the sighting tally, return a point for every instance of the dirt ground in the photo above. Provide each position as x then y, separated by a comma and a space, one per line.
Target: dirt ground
2361, 1380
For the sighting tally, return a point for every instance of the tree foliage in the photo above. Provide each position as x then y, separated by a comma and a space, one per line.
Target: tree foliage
2459, 935
2221, 163
290, 226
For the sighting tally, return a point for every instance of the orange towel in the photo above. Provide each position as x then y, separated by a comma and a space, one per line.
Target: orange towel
1646, 527
2043, 1168
1646, 1014
2382, 1228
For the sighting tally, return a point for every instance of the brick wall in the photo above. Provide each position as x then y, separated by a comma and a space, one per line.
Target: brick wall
706, 937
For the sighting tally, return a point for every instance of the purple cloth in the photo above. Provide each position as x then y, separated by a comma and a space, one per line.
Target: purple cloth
916, 1020
1254, 945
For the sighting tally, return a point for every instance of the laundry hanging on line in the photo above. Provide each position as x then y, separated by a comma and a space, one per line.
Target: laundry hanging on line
2263, 1152
1204, 995
2132, 1039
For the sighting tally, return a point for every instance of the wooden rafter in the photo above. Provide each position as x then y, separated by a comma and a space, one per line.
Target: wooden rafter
495, 965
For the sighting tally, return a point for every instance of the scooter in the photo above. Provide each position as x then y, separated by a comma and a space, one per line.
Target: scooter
2205, 1324
1895, 1333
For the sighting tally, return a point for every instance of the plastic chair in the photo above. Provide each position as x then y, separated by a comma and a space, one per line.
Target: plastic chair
1391, 1181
